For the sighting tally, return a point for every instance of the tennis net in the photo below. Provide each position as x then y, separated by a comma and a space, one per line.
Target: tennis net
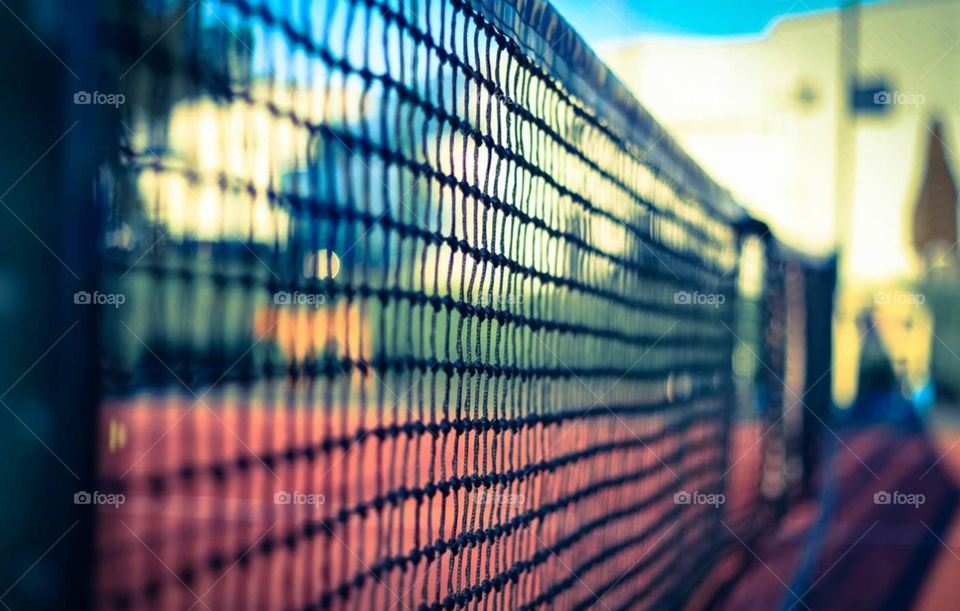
420, 310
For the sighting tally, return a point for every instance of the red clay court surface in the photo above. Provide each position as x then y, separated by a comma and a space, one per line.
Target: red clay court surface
841, 551
177, 542
844, 551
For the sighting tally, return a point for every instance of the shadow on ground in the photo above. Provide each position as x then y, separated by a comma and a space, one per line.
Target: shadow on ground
869, 539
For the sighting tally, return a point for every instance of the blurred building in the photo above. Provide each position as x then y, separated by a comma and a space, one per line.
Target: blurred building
765, 114
935, 211
838, 128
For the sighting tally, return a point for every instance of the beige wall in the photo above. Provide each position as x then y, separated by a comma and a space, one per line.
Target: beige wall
736, 105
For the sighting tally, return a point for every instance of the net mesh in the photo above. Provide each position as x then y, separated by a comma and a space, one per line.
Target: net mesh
411, 318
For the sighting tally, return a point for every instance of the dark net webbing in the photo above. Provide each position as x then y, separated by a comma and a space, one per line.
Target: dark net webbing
408, 323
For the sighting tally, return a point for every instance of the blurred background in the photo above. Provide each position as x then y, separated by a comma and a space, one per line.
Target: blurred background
834, 122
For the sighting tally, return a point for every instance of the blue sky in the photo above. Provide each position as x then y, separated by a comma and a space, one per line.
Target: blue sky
600, 20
